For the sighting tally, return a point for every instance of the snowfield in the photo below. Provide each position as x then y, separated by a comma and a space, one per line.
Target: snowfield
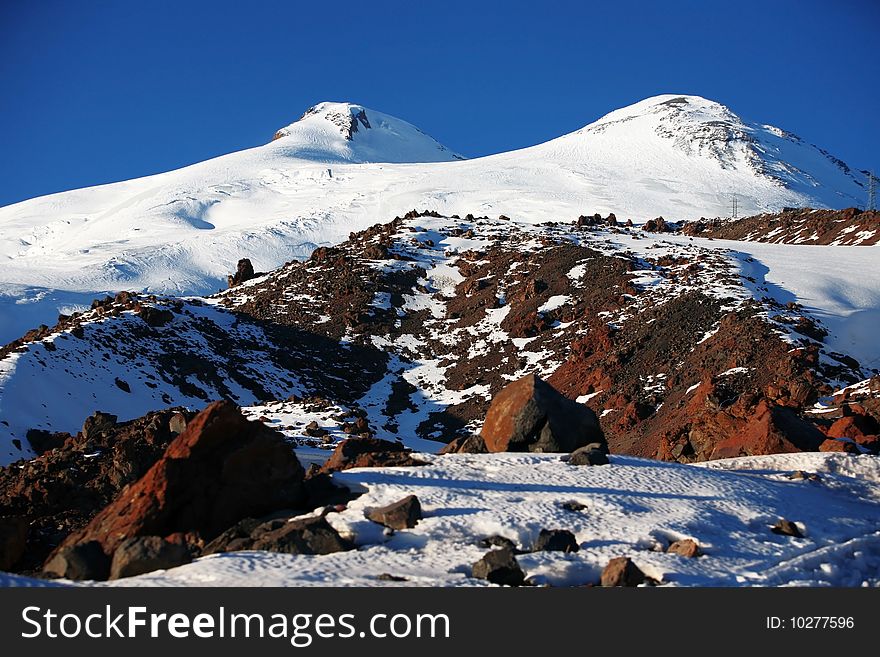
633, 507
182, 232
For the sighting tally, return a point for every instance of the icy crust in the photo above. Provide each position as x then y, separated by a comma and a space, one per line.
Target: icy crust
633, 507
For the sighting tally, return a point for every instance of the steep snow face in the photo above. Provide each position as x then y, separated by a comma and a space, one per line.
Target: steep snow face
343, 132
181, 232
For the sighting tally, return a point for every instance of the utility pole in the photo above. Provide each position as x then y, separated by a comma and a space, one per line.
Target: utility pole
872, 192
734, 207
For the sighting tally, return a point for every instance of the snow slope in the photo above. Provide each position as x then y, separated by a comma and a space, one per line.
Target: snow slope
181, 232
633, 507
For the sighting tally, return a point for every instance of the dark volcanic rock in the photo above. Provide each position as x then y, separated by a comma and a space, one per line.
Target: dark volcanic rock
621, 571
530, 415
368, 453
786, 528
556, 540
13, 539
499, 567
83, 561
244, 272
144, 554
593, 454
42, 441
498, 541
312, 535
471, 444
98, 425
403, 514
220, 469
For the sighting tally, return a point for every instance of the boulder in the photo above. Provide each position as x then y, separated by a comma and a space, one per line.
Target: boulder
222, 468
312, 535
403, 514
499, 567
529, 415
304, 536
42, 441
368, 453
621, 571
785, 527
13, 538
470, 444
97, 425
592, 454
686, 547
153, 316
85, 560
144, 554
556, 540
244, 272
498, 541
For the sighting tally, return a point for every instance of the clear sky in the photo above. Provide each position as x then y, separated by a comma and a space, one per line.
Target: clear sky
93, 92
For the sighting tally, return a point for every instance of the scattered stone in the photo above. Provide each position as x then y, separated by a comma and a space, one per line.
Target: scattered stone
79, 562
311, 535
369, 453
592, 454
403, 514
499, 567
800, 475
556, 540
144, 554
785, 527
621, 571
472, 444
388, 577
574, 506
530, 415
153, 316
498, 541
685, 547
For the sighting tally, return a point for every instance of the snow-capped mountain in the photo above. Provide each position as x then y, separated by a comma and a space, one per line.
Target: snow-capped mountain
343, 167
343, 132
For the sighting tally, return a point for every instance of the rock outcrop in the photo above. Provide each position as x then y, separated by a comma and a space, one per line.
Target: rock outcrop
221, 469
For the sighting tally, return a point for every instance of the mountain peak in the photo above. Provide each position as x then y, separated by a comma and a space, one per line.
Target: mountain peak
345, 116
711, 132
348, 132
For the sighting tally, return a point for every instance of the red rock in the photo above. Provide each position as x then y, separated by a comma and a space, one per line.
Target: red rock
621, 571
834, 445
856, 427
220, 469
530, 415
686, 547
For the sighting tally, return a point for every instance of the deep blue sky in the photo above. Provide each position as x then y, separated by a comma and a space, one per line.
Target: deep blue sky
93, 92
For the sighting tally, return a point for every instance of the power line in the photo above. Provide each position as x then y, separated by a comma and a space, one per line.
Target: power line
734, 207
871, 191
